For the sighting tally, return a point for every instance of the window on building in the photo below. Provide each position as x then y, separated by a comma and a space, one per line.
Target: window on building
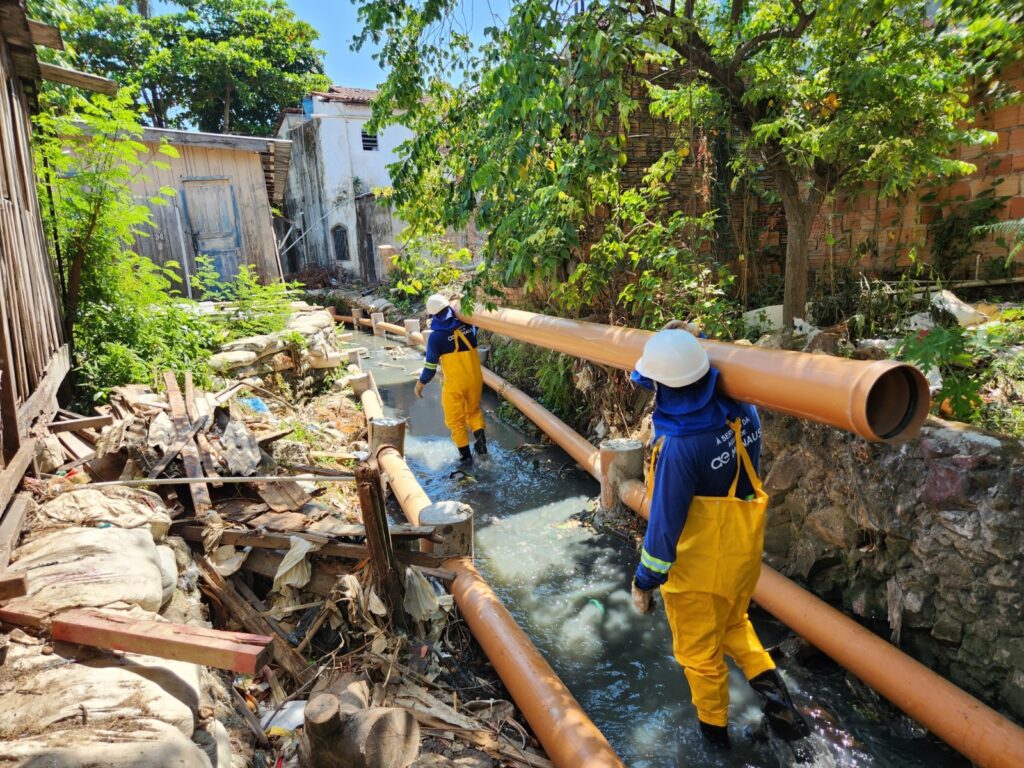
370, 142
339, 235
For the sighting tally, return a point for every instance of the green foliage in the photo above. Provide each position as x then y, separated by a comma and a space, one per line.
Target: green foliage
954, 236
547, 373
982, 371
218, 65
817, 96
869, 307
426, 265
255, 308
125, 323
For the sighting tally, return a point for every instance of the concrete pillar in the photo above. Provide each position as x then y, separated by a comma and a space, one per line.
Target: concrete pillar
376, 318
454, 521
355, 357
621, 460
411, 327
386, 430
484, 351
357, 314
360, 383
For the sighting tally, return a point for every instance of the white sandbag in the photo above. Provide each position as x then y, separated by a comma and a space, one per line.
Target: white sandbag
90, 567
49, 454
42, 691
222, 361
168, 573
965, 314
181, 680
96, 507
135, 744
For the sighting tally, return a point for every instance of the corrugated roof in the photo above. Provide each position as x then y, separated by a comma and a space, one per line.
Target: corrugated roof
348, 95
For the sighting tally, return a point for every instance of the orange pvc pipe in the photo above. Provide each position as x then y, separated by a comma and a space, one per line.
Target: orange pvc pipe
969, 726
569, 737
560, 432
392, 328
881, 400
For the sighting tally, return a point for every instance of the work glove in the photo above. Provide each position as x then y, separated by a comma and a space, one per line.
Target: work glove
419, 389
682, 325
643, 600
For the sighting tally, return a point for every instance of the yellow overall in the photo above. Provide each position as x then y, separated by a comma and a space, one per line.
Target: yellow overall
718, 562
460, 392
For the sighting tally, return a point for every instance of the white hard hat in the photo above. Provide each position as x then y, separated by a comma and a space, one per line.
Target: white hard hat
673, 358
437, 303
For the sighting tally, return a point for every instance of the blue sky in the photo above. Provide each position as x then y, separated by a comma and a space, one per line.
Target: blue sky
337, 23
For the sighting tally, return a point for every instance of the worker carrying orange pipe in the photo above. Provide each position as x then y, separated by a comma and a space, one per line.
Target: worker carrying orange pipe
452, 345
705, 534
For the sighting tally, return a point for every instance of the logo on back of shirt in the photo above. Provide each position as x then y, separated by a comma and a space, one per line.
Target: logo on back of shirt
724, 458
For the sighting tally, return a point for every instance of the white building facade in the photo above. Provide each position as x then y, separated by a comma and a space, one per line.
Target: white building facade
336, 221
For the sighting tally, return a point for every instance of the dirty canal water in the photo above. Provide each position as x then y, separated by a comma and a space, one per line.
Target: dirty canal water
568, 587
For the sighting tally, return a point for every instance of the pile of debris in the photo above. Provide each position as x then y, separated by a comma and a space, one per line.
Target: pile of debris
339, 642
308, 342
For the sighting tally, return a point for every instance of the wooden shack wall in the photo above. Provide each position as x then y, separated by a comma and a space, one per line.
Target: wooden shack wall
33, 356
245, 172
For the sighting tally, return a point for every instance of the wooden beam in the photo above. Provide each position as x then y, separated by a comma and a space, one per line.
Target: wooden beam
45, 35
389, 575
86, 422
43, 402
235, 651
194, 533
189, 453
10, 478
83, 80
12, 523
13, 585
238, 607
338, 531
175, 448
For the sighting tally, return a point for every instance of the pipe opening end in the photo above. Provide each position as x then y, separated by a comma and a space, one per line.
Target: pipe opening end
897, 404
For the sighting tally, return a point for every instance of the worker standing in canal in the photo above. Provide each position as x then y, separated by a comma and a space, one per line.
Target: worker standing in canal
452, 345
706, 532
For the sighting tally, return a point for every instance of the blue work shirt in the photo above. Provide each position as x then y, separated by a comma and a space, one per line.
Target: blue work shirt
697, 458
441, 340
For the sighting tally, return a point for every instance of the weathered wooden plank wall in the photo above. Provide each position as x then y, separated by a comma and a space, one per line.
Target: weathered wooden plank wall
33, 357
245, 172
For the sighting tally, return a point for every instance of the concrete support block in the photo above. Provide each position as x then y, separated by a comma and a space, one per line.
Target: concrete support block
355, 357
360, 384
484, 351
377, 318
621, 460
454, 521
387, 430
411, 327
357, 315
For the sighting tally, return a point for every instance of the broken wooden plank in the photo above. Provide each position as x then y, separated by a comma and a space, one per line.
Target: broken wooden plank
217, 587
23, 613
389, 575
13, 585
83, 80
203, 416
45, 35
283, 497
266, 562
250, 719
175, 448
11, 525
74, 425
273, 437
189, 453
235, 651
237, 538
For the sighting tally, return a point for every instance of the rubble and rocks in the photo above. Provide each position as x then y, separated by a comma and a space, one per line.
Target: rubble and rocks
291, 583
308, 341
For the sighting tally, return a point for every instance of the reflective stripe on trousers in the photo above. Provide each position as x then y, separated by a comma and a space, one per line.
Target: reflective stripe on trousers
718, 562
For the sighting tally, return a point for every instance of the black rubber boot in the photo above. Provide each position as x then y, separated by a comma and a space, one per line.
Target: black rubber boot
715, 735
779, 710
465, 457
481, 442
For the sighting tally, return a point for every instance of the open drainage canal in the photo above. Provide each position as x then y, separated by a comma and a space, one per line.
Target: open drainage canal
567, 586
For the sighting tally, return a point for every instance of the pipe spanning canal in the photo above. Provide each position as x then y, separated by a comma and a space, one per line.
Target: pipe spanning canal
567, 586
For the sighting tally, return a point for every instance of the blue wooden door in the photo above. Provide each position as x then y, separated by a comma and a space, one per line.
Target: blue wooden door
213, 221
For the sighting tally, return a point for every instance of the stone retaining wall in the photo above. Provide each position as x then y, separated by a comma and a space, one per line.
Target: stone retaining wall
927, 537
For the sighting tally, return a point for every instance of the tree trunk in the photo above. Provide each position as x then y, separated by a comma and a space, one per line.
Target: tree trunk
801, 211
227, 108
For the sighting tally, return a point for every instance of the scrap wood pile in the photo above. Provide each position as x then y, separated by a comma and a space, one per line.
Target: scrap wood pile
335, 642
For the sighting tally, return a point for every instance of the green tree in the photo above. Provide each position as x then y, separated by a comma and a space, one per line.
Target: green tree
218, 65
816, 96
